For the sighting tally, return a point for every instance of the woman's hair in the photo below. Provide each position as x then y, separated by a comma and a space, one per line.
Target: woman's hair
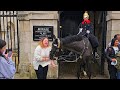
2, 43
41, 42
113, 41
115, 36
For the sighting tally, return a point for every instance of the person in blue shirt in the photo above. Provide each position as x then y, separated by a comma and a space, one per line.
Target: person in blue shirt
7, 66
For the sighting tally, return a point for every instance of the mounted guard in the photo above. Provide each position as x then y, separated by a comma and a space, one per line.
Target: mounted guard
86, 28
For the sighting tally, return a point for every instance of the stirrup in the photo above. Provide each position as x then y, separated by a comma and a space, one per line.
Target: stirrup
97, 56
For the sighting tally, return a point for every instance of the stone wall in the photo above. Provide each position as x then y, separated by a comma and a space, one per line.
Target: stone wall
113, 24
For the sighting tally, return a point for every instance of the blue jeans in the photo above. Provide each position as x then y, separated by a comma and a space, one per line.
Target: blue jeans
118, 75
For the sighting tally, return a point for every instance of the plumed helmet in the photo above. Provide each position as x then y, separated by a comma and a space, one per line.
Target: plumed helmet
85, 15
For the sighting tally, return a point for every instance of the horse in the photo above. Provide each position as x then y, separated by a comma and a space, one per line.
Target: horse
78, 44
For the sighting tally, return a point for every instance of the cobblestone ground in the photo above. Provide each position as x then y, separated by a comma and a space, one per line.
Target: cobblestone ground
68, 71
17, 76
74, 77
67, 76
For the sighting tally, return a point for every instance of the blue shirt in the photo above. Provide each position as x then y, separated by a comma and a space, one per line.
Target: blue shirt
7, 68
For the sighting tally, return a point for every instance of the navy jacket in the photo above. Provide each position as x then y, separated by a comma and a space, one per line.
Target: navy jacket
86, 27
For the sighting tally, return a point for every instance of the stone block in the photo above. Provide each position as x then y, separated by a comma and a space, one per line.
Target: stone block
52, 72
106, 72
25, 37
115, 12
41, 16
109, 25
116, 25
114, 32
24, 26
32, 72
24, 69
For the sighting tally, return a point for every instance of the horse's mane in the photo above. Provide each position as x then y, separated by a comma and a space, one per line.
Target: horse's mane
70, 39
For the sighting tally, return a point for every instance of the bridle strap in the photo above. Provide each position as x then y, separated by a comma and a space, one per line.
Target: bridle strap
84, 50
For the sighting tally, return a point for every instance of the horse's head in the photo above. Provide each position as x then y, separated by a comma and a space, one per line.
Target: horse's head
55, 48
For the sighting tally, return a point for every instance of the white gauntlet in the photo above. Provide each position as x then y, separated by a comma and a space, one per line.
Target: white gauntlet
80, 29
87, 31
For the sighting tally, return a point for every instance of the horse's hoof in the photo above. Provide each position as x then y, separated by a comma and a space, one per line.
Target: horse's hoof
85, 74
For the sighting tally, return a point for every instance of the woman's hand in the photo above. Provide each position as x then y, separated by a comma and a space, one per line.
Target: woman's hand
113, 59
6, 55
52, 63
45, 58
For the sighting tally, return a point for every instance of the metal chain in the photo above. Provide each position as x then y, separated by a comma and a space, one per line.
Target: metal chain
85, 47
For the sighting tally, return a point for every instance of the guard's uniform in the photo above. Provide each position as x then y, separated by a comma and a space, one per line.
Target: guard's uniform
88, 27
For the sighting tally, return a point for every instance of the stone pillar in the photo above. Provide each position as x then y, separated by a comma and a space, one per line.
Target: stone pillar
28, 19
113, 24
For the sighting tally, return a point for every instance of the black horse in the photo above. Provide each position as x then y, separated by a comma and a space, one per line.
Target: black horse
79, 45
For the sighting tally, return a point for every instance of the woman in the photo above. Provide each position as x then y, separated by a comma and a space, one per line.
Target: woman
7, 66
41, 58
111, 57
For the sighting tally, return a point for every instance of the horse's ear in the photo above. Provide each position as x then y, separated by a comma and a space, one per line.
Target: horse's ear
54, 36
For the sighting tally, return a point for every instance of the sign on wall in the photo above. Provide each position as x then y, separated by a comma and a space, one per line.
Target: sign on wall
42, 31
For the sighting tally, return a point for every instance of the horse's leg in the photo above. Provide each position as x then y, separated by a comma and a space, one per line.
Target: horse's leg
88, 67
78, 68
84, 71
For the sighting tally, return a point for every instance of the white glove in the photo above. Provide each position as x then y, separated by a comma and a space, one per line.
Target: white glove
87, 31
80, 29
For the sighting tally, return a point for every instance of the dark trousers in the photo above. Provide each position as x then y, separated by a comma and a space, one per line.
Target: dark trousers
42, 72
112, 71
118, 75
